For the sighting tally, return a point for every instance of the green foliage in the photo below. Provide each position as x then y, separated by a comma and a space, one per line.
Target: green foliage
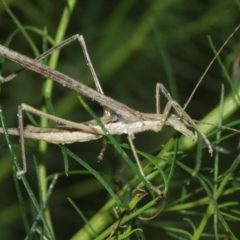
133, 45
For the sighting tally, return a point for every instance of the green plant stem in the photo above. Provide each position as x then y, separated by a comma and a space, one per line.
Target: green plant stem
47, 92
230, 105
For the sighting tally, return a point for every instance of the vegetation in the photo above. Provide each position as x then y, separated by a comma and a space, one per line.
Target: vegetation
67, 193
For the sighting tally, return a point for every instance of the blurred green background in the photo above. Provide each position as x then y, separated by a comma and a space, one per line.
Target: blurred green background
133, 45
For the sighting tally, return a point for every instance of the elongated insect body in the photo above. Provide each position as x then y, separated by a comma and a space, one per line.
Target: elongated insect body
118, 117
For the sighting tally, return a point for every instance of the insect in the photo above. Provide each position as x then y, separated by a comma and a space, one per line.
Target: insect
118, 118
